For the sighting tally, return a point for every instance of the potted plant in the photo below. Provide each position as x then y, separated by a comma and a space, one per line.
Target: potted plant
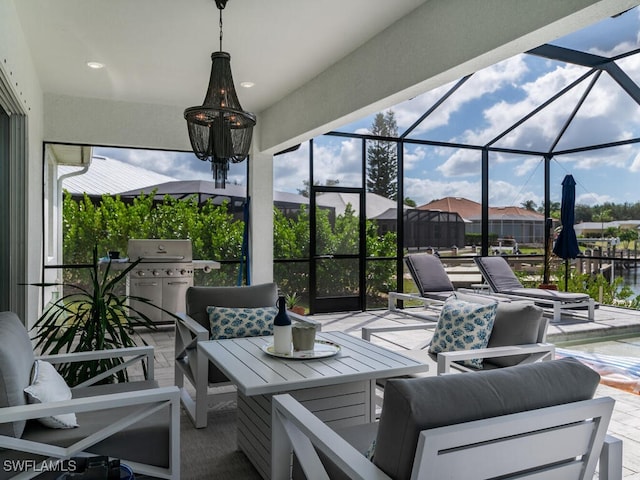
93, 317
292, 300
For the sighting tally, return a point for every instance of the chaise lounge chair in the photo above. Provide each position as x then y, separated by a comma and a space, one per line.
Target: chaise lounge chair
503, 282
430, 277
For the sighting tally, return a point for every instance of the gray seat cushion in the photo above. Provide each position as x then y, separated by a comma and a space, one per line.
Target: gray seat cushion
428, 273
516, 323
413, 405
146, 441
498, 274
253, 296
552, 295
16, 360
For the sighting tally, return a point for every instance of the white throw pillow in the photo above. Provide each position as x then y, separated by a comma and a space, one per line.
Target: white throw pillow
47, 385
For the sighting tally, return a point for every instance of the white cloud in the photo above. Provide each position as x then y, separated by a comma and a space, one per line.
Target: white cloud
592, 199
461, 163
501, 193
484, 82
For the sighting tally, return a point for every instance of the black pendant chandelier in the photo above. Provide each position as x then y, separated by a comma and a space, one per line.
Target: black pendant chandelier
219, 130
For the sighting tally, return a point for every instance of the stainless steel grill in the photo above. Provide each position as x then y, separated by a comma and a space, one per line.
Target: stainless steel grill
163, 275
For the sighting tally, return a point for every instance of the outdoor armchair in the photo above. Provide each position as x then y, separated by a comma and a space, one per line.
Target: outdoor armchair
530, 421
497, 272
136, 422
518, 336
194, 326
429, 275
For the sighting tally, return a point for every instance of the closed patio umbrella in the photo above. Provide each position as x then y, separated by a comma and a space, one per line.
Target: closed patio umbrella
566, 246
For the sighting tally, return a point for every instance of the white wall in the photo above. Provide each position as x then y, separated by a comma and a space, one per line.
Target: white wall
17, 67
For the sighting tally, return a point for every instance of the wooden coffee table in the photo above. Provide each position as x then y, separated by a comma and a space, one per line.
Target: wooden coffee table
339, 389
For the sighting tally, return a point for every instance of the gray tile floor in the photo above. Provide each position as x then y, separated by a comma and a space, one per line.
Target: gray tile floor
611, 324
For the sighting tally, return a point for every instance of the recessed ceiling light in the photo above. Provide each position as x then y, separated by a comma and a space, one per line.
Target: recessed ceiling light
95, 65
247, 84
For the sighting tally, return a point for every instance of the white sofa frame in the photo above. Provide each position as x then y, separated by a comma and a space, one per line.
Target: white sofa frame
149, 400
562, 442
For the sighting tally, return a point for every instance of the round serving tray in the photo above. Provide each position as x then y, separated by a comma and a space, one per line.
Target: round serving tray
321, 349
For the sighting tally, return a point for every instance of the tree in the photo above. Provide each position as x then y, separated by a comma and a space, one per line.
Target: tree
529, 205
602, 216
305, 191
410, 202
382, 157
627, 235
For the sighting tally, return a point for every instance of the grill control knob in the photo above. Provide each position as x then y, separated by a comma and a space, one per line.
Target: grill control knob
155, 273
183, 272
141, 273
169, 272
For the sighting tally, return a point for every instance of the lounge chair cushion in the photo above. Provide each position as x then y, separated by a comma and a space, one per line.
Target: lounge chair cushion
228, 322
463, 326
413, 405
428, 273
539, 293
516, 323
16, 359
47, 385
498, 273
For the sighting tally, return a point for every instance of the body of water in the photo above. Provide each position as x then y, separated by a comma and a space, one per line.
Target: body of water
631, 278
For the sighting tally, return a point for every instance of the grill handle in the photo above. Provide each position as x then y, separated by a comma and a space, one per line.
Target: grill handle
164, 258
178, 283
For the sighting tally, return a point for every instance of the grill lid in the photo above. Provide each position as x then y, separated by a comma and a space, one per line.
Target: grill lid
159, 250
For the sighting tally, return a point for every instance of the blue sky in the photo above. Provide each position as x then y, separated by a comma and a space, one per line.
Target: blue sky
486, 105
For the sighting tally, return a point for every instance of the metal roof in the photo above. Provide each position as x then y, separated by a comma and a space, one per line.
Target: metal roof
108, 176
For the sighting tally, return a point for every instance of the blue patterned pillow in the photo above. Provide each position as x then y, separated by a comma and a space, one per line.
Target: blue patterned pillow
463, 326
241, 322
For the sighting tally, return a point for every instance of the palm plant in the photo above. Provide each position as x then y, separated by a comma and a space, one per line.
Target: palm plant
92, 317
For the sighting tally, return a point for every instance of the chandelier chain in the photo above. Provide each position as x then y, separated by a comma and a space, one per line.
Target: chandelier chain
220, 29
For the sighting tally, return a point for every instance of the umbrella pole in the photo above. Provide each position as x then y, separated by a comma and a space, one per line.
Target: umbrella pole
566, 274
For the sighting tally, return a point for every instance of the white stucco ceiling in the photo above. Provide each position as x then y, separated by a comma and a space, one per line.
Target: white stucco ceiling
158, 51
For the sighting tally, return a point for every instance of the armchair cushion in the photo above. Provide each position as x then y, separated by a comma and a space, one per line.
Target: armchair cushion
516, 323
413, 405
47, 385
146, 441
199, 298
240, 322
463, 326
16, 359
